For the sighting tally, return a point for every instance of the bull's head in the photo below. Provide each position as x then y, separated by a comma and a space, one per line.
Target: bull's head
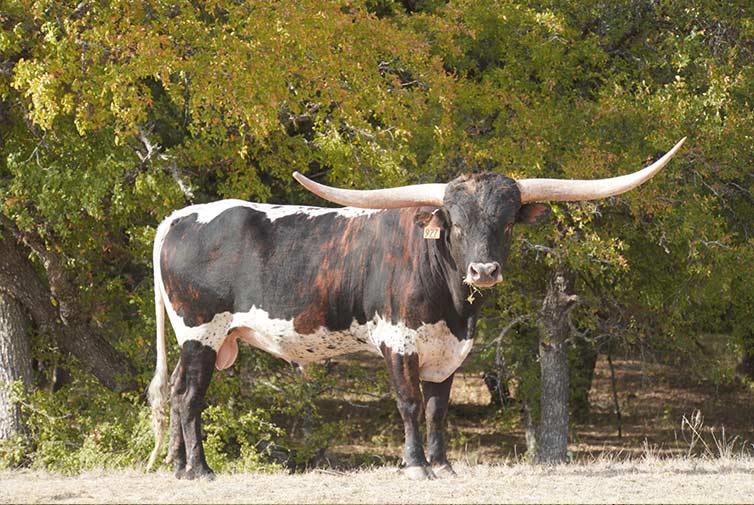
476, 212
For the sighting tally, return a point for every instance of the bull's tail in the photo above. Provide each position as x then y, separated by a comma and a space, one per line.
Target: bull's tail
158, 387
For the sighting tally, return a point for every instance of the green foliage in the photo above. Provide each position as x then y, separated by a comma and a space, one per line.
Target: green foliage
653, 257
292, 397
79, 428
116, 113
239, 437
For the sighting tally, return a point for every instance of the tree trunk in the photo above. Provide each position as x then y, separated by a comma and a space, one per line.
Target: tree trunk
497, 385
530, 430
552, 432
15, 363
583, 361
70, 328
746, 363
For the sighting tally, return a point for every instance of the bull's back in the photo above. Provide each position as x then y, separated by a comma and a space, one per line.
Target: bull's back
281, 258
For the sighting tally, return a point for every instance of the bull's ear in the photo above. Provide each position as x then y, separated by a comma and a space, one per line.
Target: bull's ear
532, 213
423, 218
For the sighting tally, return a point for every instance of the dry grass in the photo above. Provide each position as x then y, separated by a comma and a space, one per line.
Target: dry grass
668, 454
649, 480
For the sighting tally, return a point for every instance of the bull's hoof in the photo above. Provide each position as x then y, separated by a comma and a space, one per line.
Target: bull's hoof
419, 472
444, 471
205, 473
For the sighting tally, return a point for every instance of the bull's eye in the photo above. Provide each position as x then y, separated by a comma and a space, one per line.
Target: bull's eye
508, 228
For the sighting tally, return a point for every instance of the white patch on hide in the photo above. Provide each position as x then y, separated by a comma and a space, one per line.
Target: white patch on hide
206, 212
398, 337
279, 338
211, 334
440, 352
275, 336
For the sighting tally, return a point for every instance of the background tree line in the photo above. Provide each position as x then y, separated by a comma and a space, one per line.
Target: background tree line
115, 113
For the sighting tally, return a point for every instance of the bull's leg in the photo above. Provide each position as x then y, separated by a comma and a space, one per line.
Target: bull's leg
176, 446
436, 397
198, 362
404, 375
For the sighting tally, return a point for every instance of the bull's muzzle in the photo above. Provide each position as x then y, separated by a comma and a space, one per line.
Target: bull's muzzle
484, 275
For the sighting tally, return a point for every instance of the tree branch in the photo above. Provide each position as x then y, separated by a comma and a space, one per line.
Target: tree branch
65, 324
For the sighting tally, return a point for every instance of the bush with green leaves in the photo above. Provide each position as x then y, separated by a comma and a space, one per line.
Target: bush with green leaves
77, 428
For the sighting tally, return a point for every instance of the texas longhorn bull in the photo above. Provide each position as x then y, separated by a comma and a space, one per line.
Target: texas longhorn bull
306, 284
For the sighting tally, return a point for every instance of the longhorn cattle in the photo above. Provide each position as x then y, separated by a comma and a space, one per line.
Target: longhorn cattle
390, 273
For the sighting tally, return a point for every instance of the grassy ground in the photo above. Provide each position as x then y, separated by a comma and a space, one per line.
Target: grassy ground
603, 481
658, 458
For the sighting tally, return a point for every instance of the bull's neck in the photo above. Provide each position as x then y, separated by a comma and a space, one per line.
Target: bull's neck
420, 271
440, 272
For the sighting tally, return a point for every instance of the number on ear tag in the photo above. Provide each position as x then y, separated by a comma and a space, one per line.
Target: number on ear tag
432, 229
431, 232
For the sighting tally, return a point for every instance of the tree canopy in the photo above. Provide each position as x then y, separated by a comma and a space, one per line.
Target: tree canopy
115, 113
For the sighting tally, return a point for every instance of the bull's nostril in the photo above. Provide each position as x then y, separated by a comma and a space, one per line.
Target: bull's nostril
473, 270
493, 269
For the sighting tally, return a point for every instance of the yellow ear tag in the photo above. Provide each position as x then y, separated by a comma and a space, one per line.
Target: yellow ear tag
432, 230
431, 233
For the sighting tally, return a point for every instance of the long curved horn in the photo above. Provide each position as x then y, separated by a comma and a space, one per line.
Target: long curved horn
418, 195
565, 190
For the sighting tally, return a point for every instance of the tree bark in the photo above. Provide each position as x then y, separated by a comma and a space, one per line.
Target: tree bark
15, 363
55, 313
552, 432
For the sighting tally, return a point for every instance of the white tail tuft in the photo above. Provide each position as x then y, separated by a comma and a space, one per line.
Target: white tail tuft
158, 388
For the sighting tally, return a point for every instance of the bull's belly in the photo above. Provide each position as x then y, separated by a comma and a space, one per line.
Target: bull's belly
440, 352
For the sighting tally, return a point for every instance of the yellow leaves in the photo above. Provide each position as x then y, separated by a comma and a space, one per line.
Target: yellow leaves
11, 39
473, 293
551, 21
50, 32
34, 80
243, 152
438, 133
281, 29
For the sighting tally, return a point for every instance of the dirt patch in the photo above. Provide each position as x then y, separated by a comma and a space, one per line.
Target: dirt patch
653, 399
